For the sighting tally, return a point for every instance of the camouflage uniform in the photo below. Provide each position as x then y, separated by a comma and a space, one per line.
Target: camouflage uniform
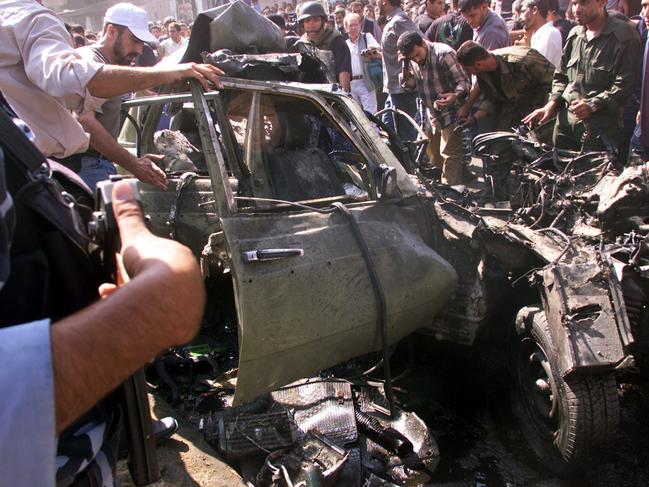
519, 85
605, 71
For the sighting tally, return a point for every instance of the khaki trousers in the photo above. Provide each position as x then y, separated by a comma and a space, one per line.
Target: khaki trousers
446, 151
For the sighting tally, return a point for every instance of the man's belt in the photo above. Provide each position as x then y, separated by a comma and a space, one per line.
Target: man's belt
360, 76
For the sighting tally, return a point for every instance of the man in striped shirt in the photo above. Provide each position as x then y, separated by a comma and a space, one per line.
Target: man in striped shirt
442, 85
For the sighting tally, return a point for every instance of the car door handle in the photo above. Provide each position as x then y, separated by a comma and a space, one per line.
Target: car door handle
270, 254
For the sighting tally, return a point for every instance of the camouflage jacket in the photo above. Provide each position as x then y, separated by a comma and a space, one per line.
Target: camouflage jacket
519, 85
605, 70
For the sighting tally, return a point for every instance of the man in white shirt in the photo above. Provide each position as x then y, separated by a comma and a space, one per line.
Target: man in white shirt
362, 47
545, 37
44, 79
174, 42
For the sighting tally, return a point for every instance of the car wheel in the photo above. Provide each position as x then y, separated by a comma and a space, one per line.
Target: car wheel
566, 420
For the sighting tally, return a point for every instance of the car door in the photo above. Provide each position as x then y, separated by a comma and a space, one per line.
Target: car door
304, 296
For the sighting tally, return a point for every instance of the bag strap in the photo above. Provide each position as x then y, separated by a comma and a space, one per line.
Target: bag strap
18, 148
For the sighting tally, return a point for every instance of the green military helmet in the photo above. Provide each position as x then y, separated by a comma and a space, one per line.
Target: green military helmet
312, 9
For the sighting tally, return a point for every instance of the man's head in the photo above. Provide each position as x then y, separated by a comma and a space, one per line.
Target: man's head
534, 13
339, 16
435, 8
78, 29
312, 18
368, 11
356, 8
554, 10
412, 46
126, 30
588, 11
174, 31
474, 11
155, 31
644, 13
353, 26
475, 59
388, 6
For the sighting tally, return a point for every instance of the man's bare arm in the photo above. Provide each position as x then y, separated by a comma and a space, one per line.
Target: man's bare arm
345, 80
96, 349
143, 168
114, 80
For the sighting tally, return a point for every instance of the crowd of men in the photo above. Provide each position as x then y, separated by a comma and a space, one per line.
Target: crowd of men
453, 67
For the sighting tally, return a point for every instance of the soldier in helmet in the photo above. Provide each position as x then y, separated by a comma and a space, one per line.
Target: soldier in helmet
312, 18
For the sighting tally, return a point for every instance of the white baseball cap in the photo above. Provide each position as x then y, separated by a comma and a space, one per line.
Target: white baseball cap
135, 18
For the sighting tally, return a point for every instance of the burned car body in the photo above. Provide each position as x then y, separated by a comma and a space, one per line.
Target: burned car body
333, 250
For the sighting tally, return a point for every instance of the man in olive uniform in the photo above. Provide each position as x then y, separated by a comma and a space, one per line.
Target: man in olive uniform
312, 18
599, 70
512, 82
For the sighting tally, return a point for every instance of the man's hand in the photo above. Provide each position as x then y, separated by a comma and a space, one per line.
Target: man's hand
463, 112
581, 109
540, 115
446, 99
204, 73
147, 171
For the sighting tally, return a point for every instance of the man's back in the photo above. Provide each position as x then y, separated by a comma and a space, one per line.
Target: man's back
521, 84
450, 29
398, 23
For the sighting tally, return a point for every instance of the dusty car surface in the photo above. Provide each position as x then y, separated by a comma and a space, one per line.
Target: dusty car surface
300, 206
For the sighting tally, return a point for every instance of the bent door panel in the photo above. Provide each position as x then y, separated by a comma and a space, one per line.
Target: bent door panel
300, 314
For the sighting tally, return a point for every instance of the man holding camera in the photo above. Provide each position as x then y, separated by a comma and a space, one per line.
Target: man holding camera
362, 47
66, 368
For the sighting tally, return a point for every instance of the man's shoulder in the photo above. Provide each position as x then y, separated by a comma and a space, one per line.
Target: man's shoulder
494, 21
440, 48
513, 53
622, 30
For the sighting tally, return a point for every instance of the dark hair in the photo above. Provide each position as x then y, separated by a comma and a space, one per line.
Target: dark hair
541, 5
464, 5
278, 20
78, 29
470, 52
79, 40
407, 42
395, 3
553, 6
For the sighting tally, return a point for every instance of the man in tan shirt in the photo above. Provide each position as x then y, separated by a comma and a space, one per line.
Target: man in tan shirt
44, 80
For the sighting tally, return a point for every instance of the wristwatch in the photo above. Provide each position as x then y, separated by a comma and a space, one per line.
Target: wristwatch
593, 105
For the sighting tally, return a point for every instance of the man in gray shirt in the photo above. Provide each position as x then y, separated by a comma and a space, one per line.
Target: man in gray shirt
398, 23
118, 45
489, 30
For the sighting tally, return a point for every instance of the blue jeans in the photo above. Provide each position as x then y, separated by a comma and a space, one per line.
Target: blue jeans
637, 146
95, 169
406, 102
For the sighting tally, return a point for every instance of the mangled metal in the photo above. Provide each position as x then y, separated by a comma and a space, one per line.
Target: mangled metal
352, 253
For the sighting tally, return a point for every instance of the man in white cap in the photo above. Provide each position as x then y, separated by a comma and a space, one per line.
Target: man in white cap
44, 80
122, 39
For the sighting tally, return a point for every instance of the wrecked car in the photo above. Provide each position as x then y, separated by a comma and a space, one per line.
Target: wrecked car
317, 246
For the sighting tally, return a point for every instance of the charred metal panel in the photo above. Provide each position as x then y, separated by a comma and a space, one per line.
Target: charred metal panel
184, 211
298, 315
581, 317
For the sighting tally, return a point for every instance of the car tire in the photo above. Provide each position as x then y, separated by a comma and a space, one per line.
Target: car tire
566, 420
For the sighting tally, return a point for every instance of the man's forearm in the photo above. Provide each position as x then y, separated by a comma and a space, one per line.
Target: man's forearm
345, 81
96, 349
116, 80
104, 143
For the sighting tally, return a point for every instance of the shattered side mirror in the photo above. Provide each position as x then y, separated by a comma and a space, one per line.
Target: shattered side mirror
388, 188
